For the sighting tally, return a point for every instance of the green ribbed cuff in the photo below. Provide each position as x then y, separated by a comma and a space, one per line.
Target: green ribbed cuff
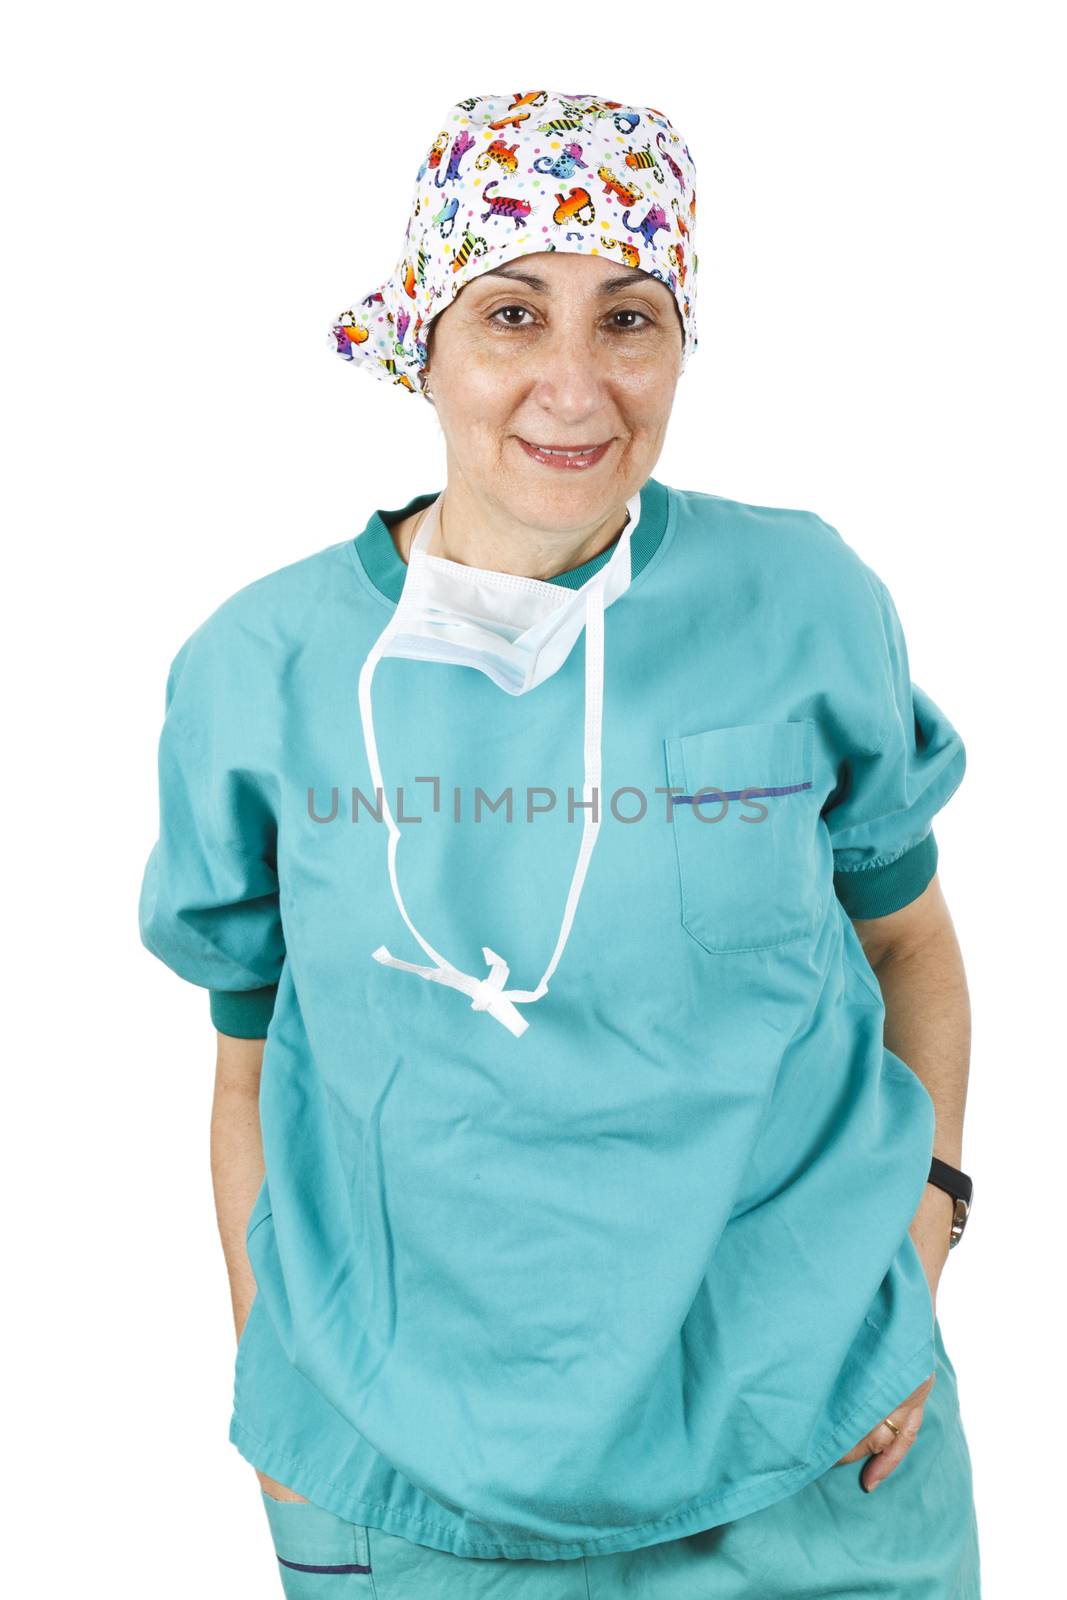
243, 1013
876, 891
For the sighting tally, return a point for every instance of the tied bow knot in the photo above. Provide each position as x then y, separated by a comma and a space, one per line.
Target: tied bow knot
486, 994
486, 990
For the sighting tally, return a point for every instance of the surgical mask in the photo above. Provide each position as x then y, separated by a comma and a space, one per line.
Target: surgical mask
519, 632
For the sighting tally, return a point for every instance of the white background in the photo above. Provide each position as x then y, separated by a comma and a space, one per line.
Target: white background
192, 194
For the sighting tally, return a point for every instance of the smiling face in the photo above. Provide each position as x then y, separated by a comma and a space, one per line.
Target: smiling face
557, 349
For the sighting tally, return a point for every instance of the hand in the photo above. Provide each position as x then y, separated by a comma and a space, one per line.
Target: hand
276, 1490
887, 1448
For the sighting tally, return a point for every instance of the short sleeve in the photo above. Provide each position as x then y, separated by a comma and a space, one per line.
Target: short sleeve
209, 904
880, 816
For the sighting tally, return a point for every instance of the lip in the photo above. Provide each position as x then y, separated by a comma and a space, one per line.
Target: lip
579, 463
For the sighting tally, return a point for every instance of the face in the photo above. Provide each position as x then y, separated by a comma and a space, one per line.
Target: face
557, 349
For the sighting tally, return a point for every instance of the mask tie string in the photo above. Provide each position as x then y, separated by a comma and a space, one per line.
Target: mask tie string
488, 994
594, 703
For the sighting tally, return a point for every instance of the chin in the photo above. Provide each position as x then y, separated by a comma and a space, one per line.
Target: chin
562, 505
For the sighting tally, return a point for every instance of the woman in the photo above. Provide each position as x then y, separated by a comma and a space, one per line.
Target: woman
602, 1276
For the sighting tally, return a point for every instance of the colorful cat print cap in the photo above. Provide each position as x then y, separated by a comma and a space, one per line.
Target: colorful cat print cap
510, 175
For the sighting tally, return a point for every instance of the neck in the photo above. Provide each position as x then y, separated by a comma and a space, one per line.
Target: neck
476, 534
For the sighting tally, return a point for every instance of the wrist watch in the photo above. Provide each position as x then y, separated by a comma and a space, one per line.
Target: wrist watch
960, 1187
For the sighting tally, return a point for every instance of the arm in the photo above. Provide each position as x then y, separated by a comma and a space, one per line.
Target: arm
916, 958
236, 1172
236, 1159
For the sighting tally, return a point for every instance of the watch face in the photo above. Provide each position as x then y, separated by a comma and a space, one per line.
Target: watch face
959, 1221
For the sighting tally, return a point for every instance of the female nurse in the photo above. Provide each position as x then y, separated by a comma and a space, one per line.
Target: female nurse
592, 1031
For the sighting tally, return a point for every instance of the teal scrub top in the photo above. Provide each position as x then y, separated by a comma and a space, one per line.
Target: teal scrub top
645, 1268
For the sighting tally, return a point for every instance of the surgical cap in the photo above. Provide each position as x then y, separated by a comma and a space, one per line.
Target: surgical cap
512, 175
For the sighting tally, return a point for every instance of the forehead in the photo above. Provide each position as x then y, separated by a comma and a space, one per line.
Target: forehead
546, 270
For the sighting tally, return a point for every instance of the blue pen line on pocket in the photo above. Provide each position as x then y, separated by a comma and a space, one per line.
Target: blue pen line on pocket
735, 794
301, 1566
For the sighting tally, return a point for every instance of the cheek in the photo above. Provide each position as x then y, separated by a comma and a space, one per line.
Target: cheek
483, 387
647, 394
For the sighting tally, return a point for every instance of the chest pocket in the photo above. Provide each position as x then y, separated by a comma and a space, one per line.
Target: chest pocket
748, 854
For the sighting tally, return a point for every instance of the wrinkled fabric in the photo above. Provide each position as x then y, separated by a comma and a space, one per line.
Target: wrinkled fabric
512, 175
914, 1538
646, 1269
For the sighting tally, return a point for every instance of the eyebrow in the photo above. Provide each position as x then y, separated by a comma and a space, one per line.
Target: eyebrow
628, 280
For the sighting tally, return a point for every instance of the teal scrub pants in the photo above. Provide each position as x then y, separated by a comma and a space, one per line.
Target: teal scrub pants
914, 1538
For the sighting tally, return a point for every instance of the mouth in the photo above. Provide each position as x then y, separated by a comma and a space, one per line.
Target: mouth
568, 457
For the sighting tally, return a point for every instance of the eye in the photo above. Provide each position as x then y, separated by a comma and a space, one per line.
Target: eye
502, 311
630, 312
499, 312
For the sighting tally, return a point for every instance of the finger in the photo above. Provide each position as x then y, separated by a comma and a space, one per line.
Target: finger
880, 1436
886, 1460
879, 1439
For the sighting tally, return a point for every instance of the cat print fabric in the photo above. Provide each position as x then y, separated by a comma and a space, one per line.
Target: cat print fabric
512, 175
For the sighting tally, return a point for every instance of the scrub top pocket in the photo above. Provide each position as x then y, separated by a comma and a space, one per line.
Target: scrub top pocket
748, 853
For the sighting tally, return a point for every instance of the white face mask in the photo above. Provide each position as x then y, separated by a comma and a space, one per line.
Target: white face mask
518, 631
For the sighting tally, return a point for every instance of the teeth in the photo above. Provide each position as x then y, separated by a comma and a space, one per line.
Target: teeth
546, 451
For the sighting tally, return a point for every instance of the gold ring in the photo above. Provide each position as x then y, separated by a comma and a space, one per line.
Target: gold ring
896, 1430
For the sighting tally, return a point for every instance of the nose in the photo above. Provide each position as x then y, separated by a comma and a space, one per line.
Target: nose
570, 374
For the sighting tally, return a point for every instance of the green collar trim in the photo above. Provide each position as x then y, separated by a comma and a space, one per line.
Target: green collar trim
383, 565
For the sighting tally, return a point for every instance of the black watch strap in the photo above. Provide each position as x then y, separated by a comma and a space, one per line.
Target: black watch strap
960, 1187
